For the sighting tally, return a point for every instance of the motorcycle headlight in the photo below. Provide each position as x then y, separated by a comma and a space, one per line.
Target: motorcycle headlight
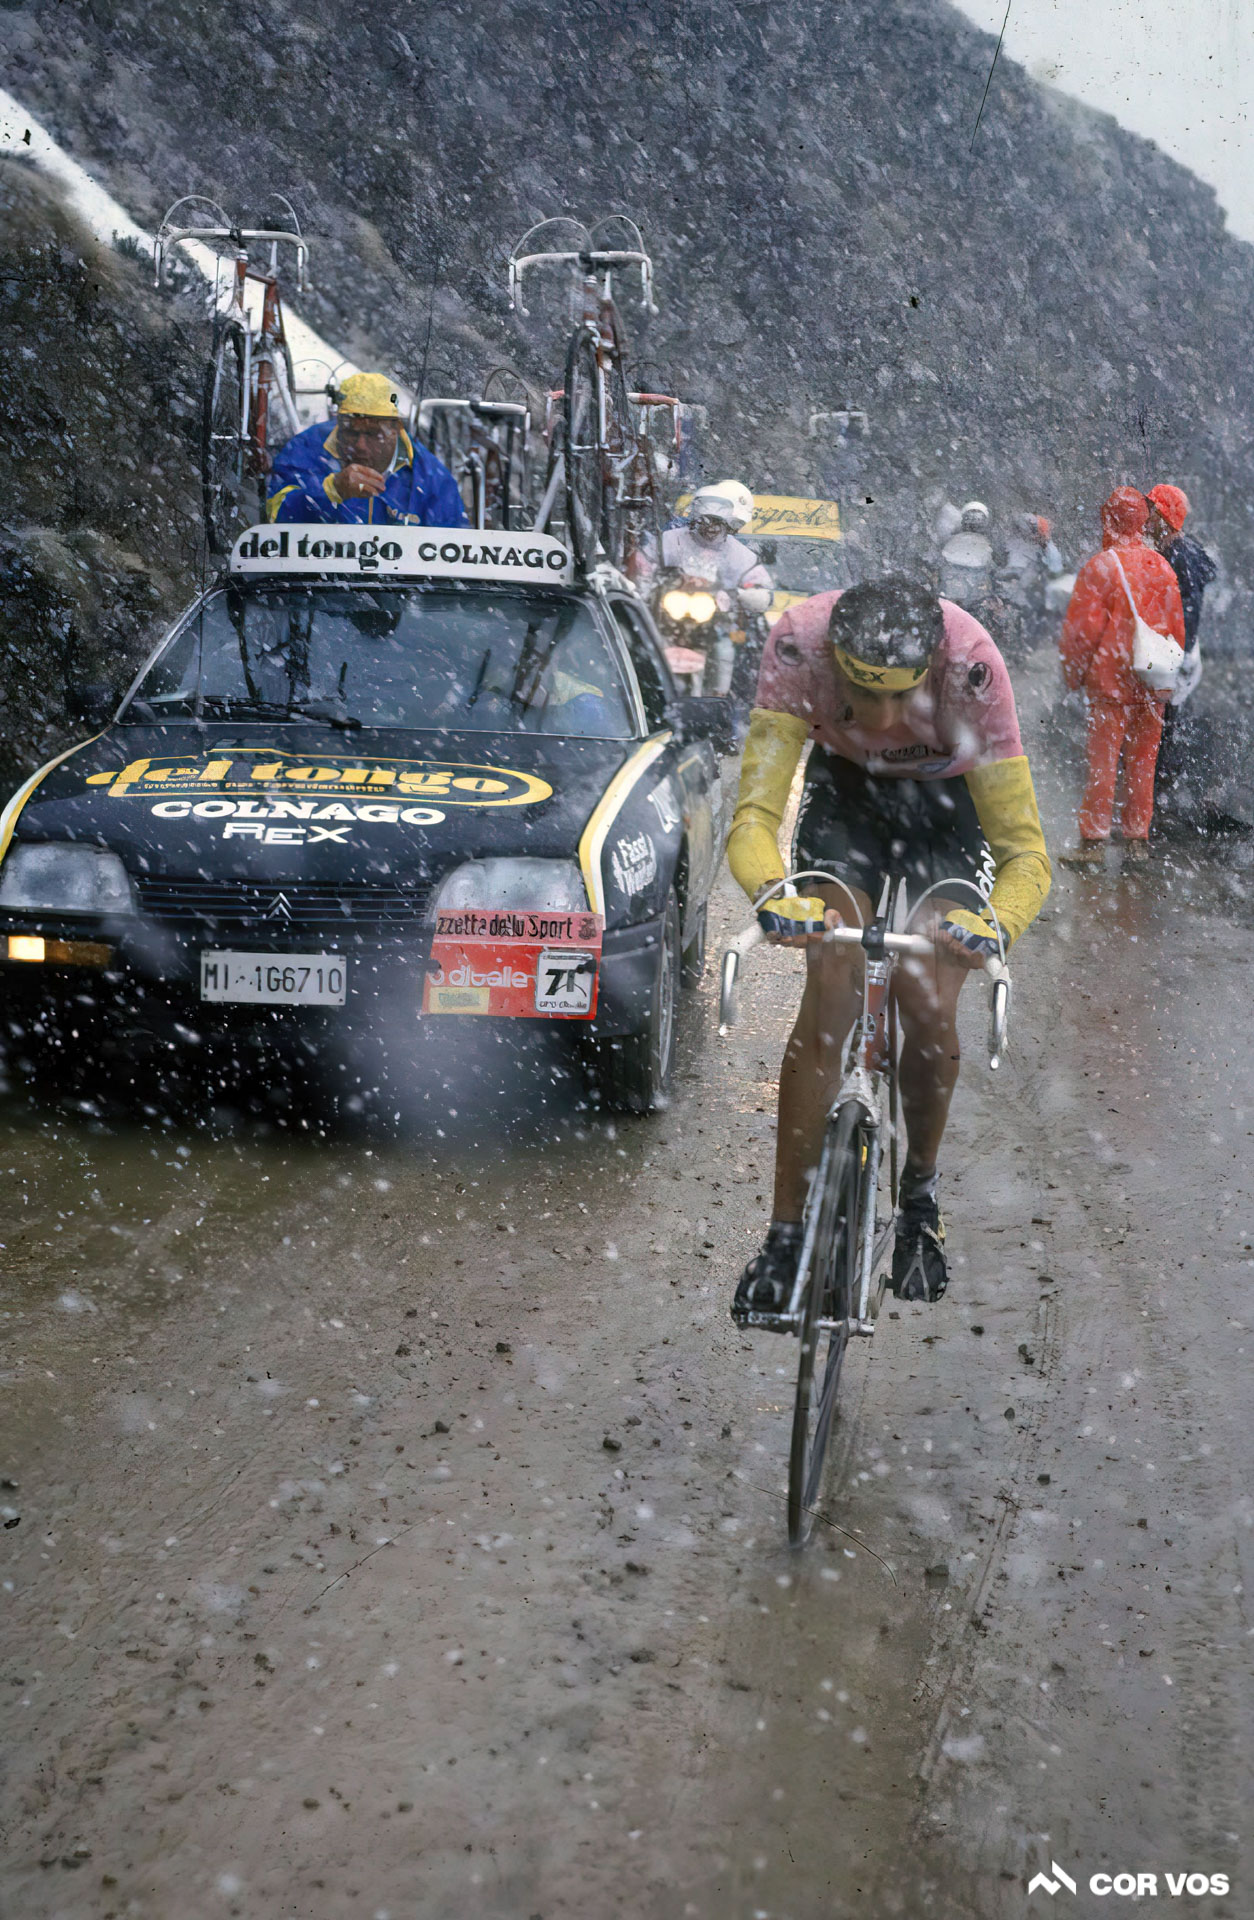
555, 885
702, 607
675, 604
55, 878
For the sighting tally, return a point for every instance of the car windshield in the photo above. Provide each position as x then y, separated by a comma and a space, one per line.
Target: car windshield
807, 566
390, 657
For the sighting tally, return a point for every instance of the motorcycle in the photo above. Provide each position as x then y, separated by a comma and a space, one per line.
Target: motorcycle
699, 626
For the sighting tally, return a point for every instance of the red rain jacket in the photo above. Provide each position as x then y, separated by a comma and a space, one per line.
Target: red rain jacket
1097, 629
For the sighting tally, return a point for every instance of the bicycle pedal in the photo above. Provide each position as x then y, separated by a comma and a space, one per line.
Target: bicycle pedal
754, 1319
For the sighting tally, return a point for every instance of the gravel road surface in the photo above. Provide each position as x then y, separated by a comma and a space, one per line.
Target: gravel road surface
394, 1519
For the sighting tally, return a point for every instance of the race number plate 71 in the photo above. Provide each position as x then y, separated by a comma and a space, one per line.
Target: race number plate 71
564, 980
274, 979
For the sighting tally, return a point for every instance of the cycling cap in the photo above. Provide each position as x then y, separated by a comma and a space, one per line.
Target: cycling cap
372, 394
885, 633
1172, 503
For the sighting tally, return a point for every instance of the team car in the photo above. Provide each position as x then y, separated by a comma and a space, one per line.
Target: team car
413, 765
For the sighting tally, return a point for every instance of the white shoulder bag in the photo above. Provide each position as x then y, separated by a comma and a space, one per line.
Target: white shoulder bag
1156, 657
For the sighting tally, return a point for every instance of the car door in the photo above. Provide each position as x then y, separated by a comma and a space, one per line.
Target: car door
694, 771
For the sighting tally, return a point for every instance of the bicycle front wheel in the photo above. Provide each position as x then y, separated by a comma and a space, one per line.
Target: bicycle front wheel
222, 457
585, 450
834, 1209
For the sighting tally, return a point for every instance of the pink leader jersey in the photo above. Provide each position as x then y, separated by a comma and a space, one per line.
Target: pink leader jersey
962, 715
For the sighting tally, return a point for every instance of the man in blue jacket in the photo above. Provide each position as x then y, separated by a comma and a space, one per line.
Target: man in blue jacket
363, 466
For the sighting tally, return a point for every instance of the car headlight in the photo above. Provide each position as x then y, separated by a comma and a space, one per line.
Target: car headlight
522, 883
54, 878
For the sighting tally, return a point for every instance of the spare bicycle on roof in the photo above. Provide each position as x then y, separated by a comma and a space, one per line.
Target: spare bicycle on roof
485, 441
601, 462
249, 403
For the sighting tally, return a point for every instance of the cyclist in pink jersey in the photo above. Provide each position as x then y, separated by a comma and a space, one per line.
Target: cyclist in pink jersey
916, 767
960, 714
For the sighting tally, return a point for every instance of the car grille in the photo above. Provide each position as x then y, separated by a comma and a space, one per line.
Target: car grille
272, 909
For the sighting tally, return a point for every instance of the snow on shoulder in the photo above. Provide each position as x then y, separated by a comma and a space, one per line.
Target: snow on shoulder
449, 553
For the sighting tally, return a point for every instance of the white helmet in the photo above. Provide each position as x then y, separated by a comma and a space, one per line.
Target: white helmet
741, 499
728, 501
975, 517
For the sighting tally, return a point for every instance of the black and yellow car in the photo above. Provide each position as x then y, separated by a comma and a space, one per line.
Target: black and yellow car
417, 766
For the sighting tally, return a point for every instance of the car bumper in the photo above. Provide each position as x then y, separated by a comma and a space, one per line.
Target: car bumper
134, 970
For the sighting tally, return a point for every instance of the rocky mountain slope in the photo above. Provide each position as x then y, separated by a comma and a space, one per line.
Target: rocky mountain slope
99, 490
1031, 315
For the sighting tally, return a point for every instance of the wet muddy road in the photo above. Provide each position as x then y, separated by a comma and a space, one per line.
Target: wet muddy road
394, 1522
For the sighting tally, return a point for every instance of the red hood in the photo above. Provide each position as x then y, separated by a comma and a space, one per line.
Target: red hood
1124, 516
1172, 503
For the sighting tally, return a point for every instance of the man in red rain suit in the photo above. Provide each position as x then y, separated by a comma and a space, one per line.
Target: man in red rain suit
1125, 718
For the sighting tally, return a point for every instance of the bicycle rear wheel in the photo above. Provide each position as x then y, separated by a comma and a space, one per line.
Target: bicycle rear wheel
585, 451
829, 1304
222, 450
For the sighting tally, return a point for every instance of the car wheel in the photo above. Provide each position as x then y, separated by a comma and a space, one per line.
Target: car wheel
694, 952
633, 1070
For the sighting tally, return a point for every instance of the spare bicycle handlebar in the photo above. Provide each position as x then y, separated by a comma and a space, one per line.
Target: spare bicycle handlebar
591, 259
239, 237
874, 939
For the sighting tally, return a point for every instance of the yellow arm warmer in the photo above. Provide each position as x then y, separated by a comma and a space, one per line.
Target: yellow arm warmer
1005, 805
771, 755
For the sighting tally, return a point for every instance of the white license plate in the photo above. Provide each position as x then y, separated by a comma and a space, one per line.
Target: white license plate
564, 980
274, 979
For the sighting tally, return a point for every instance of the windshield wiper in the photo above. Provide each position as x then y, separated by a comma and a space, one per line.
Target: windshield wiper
335, 716
324, 710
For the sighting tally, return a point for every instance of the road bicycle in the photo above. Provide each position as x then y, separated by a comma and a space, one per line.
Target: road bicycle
845, 1241
599, 458
248, 407
485, 442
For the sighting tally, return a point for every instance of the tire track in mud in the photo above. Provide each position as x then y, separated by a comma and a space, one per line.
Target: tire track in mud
956, 1646
947, 1677
1210, 1629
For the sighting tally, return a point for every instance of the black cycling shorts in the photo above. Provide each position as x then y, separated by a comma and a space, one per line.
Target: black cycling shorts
863, 826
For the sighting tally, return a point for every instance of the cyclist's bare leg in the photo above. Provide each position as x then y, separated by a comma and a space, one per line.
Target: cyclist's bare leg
810, 1072
927, 1002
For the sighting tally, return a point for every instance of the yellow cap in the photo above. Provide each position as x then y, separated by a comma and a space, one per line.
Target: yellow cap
369, 393
878, 679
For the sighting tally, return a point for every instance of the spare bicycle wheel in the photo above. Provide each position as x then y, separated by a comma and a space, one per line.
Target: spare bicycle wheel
222, 449
446, 439
630, 511
585, 451
829, 1303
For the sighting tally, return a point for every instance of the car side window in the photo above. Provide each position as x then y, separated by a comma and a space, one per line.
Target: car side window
656, 687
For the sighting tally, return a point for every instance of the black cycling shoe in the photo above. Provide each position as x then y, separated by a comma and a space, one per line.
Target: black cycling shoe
767, 1282
920, 1270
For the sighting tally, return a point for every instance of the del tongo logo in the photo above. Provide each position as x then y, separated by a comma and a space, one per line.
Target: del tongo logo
1132, 1886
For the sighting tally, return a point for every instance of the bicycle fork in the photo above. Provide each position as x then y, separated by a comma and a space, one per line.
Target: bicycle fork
862, 1322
